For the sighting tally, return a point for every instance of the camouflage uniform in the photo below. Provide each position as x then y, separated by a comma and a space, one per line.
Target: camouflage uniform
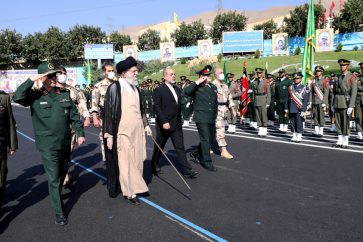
98, 99
225, 102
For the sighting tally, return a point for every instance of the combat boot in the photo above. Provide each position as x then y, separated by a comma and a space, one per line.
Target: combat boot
225, 154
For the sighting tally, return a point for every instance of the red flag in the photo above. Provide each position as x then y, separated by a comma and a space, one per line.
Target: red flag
323, 17
245, 98
319, 22
332, 5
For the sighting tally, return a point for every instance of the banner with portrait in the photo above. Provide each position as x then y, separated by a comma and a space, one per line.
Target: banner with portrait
205, 48
324, 40
167, 51
280, 45
130, 50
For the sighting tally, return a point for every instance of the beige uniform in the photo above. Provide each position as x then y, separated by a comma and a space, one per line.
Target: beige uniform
98, 99
225, 101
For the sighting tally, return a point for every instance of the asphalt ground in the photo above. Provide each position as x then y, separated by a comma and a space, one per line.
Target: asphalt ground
273, 190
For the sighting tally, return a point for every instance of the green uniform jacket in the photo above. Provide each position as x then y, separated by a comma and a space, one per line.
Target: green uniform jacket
359, 99
8, 135
282, 90
314, 99
261, 92
205, 102
344, 95
52, 115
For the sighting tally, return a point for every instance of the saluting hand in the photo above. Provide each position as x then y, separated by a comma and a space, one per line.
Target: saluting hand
81, 140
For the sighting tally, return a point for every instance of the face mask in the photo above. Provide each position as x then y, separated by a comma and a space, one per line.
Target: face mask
62, 78
110, 75
221, 77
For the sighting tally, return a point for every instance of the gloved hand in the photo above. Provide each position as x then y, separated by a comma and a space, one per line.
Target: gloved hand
187, 106
323, 105
286, 111
267, 106
302, 114
249, 91
332, 109
349, 111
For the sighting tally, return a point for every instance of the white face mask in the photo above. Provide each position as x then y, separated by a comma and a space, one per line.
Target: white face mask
221, 77
62, 78
110, 75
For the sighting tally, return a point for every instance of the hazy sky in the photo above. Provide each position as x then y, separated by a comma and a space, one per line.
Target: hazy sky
38, 15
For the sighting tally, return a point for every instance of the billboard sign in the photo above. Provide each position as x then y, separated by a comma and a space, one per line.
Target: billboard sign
242, 41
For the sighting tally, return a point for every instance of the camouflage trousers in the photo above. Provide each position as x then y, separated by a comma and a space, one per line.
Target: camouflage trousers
220, 129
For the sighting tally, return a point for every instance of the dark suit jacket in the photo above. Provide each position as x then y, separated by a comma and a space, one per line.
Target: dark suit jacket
166, 108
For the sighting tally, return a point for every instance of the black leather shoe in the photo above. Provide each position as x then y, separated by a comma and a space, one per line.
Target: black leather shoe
194, 158
337, 146
60, 219
134, 201
344, 146
209, 166
190, 174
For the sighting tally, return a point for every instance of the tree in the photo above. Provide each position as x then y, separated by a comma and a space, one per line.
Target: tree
80, 35
189, 34
32, 48
225, 22
53, 44
10, 46
119, 40
351, 19
295, 25
149, 40
269, 28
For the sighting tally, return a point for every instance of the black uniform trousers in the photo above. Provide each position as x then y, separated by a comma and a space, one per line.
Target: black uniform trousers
207, 135
283, 117
177, 139
3, 170
296, 123
56, 166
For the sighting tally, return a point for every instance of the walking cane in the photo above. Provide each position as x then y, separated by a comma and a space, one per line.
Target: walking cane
170, 162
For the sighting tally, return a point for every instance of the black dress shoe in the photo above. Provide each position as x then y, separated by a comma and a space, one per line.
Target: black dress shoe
60, 219
337, 146
190, 174
194, 158
209, 166
134, 201
344, 146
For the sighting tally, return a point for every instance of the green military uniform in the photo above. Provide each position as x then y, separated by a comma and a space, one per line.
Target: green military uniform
359, 104
205, 114
185, 105
344, 99
282, 94
319, 95
52, 114
272, 108
8, 138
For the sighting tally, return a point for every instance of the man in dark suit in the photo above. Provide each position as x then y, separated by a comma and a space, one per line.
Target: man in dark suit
167, 106
204, 95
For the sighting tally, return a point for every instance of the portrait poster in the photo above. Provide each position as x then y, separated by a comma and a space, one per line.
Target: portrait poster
130, 50
205, 48
167, 51
280, 45
324, 40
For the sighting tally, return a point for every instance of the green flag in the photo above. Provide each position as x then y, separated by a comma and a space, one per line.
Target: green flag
310, 43
89, 73
225, 72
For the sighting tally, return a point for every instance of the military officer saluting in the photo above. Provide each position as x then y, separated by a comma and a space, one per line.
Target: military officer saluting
319, 94
262, 94
296, 105
204, 95
8, 139
359, 103
344, 96
53, 113
282, 93
98, 99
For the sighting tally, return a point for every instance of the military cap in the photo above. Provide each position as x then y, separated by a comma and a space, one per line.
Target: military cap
126, 64
230, 75
149, 80
258, 70
252, 73
282, 70
332, 74
343, 62
46, 68
270, 76
319, 68
156, 82
206, 71
297, 75
183, 77
360, 65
